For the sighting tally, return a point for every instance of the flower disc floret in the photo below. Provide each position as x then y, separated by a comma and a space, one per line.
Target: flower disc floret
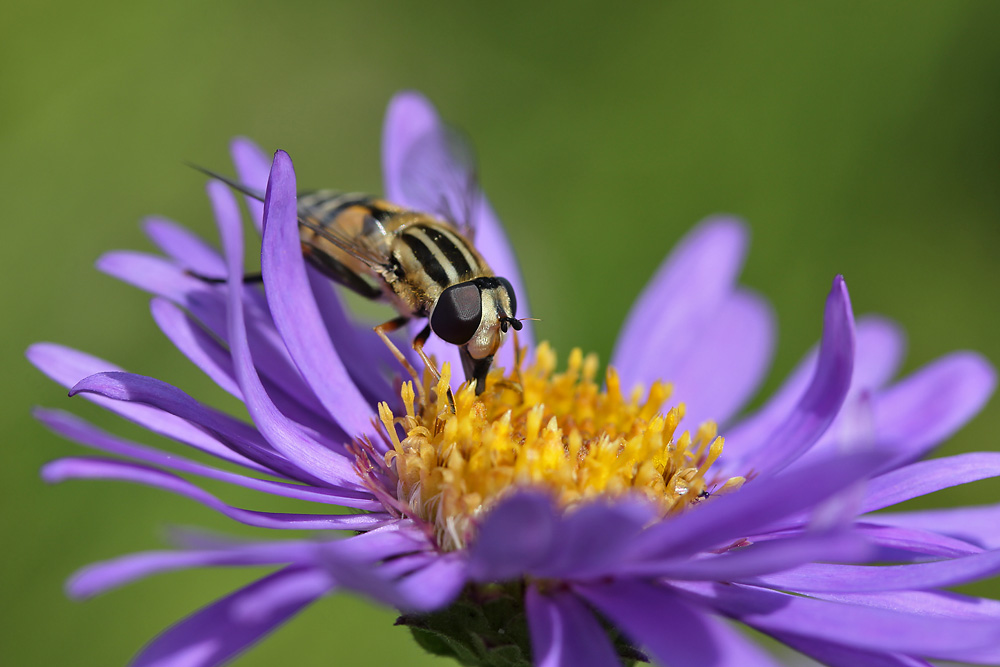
537, 428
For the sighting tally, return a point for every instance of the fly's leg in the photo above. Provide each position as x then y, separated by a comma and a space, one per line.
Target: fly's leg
418, 347
383, 330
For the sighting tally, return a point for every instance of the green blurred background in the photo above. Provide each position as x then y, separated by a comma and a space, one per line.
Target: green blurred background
859, 138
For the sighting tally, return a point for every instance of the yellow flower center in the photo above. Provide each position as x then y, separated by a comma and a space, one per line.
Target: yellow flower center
559, 432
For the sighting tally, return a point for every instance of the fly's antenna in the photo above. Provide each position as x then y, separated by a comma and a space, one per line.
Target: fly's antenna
239, 187
513, 322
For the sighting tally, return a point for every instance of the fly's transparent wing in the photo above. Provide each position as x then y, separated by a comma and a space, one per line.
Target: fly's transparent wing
438, 176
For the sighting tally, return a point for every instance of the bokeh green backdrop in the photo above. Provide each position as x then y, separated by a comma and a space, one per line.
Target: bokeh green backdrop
856, 137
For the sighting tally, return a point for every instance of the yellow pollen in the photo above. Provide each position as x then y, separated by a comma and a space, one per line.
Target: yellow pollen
539, 429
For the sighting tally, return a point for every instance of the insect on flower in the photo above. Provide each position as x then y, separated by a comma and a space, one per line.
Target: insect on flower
424, 264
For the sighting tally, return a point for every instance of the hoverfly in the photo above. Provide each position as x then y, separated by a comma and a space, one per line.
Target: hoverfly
422, 264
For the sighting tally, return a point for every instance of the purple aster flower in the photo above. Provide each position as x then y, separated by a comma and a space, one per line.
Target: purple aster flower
558, 518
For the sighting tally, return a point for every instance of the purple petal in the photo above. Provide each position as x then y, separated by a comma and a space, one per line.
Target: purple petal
728, 362
101, 577
758, 559
215, 634
99, 468
429, 583
185, 247
516, 536
924, 603
361, 351
252, 169
434, 586
294, 308
675, 631
564, 633
205, 352
822, 400
236, 435
936, 604
923, 477
199, 347
206, 303
881, 344
680, 301
929, 406
837, 578
840, 655
67, 367
76, 429
592, 539
910, 543
757, 504
978, 524
878, 352
933, 635
420, 173
284, 435
275, 595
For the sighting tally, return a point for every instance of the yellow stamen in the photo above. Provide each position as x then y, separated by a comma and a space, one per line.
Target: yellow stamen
559, 432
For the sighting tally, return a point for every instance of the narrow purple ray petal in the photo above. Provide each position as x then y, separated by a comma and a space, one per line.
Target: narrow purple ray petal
410, 117
744, 512
349, 340
283, 434
838, 578
252, 168
840, 655
728, 363
426, 583
185, 247
99, 468
98, 578
201, 349
420, 173
516, 536
929, 406
294, 308
821, 401
923, 603
215, 634
435, 585
275, 595
758, 559
675, 631
912, 543
878, 353
205, 351
923, 477
236, 435
593, 538
935, 604
76, 429
67, 367
564, 633
207, 304
496, 249
671, 314
933, 636
977, 524
881, 345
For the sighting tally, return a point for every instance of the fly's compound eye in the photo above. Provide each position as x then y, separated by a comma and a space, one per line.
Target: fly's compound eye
510, 294
457, 313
